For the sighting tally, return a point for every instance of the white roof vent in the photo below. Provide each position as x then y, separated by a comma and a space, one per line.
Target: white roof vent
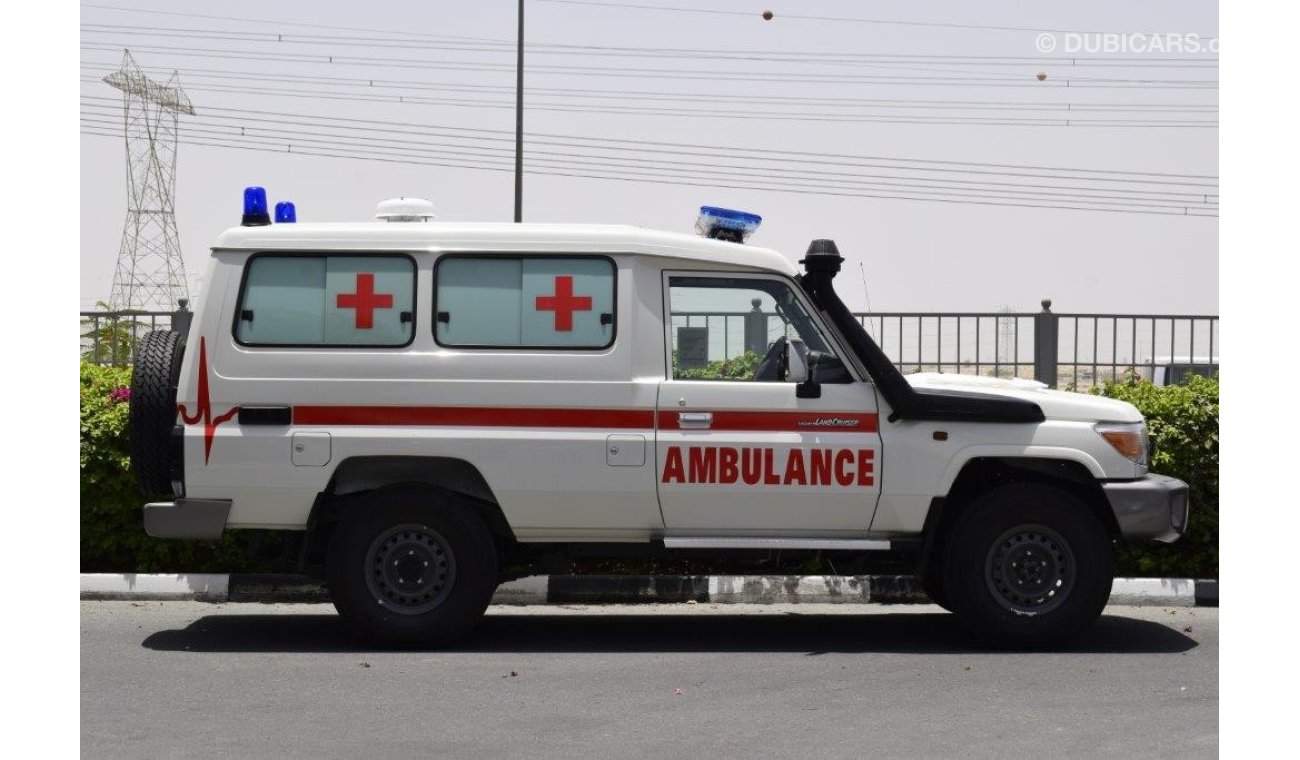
405, 210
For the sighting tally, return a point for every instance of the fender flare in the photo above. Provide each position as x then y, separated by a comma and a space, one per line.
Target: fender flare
964, 456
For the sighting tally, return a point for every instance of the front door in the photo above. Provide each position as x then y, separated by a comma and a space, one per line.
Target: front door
738, 451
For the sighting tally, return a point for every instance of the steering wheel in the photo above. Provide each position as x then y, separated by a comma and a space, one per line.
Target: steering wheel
772, 368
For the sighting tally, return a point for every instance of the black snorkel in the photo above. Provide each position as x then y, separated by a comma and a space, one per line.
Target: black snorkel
821, 264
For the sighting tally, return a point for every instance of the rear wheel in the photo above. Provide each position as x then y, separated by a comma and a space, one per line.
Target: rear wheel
412, 565
1027, 565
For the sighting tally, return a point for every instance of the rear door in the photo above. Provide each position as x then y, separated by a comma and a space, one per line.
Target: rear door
738, 452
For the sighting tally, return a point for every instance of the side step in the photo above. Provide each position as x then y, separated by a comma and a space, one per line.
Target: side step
822, 544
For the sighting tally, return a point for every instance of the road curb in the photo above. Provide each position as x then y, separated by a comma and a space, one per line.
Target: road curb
621, 589
141, 586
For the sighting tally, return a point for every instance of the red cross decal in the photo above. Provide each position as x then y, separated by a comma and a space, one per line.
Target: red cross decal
365, 301
564, 303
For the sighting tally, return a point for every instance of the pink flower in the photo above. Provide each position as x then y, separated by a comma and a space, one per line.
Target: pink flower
120, 395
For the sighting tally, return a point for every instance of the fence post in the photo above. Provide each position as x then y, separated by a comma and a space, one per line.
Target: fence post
182, 316
1046, 338
756, 329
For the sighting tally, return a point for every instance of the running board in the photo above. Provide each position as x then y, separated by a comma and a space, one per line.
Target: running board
824, 544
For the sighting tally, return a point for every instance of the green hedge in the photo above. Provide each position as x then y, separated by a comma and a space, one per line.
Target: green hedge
736, 368
1183, 421
112, 531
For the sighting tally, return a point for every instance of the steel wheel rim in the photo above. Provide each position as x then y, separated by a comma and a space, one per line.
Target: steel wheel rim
1030, 570
409, 569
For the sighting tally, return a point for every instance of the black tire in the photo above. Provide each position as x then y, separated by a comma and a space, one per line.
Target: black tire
1027, 565
412, 565
154, 375
932, 584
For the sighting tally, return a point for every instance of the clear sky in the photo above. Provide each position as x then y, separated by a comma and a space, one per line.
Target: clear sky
839, 104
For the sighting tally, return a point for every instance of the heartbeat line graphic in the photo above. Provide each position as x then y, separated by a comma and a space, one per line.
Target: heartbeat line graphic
204, 411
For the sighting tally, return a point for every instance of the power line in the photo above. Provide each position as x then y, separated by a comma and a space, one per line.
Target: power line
1081, 120
976, 200
933, 180
839, 19
425, 35
587, 51
285, 22
371, 83
711, 170
727, 152
689, 74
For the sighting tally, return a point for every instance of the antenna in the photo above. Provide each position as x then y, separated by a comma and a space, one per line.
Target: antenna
866, 294
150, 269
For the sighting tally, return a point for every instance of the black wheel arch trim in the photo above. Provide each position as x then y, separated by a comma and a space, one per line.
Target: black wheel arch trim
355, 478
980, 475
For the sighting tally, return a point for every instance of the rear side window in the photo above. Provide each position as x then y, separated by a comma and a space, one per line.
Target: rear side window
524, 302
327, 300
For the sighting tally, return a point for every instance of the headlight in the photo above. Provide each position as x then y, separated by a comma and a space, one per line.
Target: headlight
1128, 438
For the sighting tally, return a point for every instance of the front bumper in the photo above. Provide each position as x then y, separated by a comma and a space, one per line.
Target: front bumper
1154, 507
193, 519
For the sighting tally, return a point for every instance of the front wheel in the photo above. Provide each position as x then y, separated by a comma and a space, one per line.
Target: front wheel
412, 565
1028, 565
932, 584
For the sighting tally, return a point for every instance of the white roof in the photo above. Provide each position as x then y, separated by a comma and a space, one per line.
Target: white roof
499, 237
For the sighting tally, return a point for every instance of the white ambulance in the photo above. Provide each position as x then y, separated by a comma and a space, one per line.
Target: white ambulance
428, 404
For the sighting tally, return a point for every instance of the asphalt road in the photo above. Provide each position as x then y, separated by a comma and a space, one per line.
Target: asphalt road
187, 679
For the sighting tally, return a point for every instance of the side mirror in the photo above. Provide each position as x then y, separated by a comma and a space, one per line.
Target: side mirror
796, 362
796, 370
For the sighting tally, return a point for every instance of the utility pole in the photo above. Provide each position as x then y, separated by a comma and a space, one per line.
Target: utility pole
519, 121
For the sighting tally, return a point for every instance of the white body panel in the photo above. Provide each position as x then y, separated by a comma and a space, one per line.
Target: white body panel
572, 443
253, 465
776, 486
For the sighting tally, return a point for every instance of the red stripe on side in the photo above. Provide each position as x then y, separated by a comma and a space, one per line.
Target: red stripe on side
470, 416
798, 422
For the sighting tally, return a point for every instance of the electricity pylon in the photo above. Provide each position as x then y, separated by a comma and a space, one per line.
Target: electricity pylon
150, 269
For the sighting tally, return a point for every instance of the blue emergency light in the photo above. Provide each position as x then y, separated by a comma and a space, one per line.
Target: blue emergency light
255, 208
285, 213
726, 224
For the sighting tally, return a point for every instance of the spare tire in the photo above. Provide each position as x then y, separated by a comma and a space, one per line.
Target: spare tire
153, 408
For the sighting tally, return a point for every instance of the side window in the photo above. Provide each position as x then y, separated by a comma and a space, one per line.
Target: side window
327, 300
735, 328
526, 302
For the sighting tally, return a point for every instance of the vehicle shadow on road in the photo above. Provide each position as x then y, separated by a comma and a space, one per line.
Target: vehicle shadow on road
810, 634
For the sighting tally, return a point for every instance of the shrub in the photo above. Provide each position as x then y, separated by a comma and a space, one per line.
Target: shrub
110, 339
1183, 421
112, 527
736, 368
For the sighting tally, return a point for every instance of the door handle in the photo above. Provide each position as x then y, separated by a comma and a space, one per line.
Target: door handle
694, 420
265, 415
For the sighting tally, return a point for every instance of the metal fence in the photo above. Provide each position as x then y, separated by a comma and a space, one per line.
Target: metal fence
109, 337
1062, 350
